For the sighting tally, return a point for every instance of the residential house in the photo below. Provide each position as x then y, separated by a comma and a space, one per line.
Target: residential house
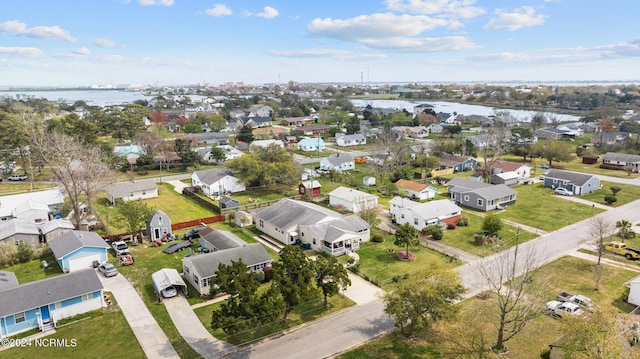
421, 215
521, 170
418, 109
312, 130
208, 138
410, 132
603, 139
483, 141
297, 121
559, 133
32, 211
230, 153
309, 144
219, 240
435, 128
352, 200
458, 163
76, 250
578, 183
290, 140
339, 162
309, 188
480, 195
53, 198
217, 181
589, 127
351, 140
264, 144
369, 181
41, 304
257, 121
415, 190
26, 231
128, 191
198, 270
158, 226
621, 161
634, 291
259, 110
128, 151
397, 203
509, 178
291, 221
267, 133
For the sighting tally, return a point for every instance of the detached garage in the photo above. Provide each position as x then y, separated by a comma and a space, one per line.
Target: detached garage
76, 250
166, 278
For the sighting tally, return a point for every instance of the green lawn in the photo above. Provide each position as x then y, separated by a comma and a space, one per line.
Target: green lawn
301, 314
577, 165
462, 237
23, 187
629, 193
537, 206
569, 273
103, 333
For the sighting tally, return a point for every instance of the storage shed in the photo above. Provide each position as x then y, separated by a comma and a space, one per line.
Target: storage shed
590, 159
165, 278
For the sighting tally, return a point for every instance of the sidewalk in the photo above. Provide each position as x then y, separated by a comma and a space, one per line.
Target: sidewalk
584, 201
606, 261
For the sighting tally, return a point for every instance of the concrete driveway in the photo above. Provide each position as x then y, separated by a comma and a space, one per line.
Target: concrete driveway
192, 330
152, 339
362, 291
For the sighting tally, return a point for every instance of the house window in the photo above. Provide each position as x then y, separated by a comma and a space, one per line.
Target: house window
196, 279
86, 297
160, 220
302, 234
314, 241
261, 223
415, 221
144, 192
186, 270
130, 194
466, 198
19, 317
480, 202
205, 282
402, 216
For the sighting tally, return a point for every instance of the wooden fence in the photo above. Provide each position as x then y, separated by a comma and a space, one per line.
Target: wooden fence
174, 227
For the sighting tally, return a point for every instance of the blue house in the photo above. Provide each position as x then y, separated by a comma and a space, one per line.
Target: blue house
309, 144
458, 163
42, 303
578, 183
75, 250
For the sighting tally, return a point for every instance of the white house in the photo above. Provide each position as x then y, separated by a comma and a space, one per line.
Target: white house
352, 199
33, 211
128, 191
351, 140
523, 171
290, 221
216, 181
198, 270
415, 190
309, 144
435, 128
339, 162
634, 291
430, 213
230, 152
265, 143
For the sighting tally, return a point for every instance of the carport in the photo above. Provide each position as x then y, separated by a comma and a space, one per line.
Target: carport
165, 278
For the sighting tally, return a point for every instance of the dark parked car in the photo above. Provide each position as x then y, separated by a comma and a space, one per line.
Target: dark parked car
177, 247
193, 232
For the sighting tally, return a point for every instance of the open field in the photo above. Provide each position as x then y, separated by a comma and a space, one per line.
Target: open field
7, 187
629, 193
570, 274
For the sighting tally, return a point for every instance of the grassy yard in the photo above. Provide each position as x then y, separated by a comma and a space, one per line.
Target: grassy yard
477, 315
462, 237
103, 333
537, 206
577, 165
32, 270
23, 187
629, 193
301, 314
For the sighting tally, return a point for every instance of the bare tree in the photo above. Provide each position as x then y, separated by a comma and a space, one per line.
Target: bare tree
96, 174
520, 292
600, 230
367, 210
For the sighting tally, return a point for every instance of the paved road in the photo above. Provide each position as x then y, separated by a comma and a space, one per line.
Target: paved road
152, 339
192, 330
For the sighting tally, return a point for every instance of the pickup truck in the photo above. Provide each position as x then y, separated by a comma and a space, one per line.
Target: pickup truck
558, 309
193, 232
581, 300
120, 248
622, 249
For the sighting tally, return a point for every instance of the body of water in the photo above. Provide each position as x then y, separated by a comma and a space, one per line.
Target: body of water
91, 97
463, 109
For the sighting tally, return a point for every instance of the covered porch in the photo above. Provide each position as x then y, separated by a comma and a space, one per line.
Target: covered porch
340, 246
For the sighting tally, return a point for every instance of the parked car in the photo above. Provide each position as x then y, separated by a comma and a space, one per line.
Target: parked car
193, 232
169, 292
581, 300
108, 270
558, 309
544, 166
18, 178
120, 248
563, 191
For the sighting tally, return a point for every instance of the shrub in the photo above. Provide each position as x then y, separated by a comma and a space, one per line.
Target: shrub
463, 221
610, 198
491, 225
479, 239
259, 276
451, 226
25, 252
436, 233
377, 238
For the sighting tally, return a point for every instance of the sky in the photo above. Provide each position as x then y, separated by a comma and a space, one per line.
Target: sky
188, 42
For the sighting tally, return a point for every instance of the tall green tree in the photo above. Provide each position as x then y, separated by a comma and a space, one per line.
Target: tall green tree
72, 125
330, 275
491, 225
293, 278
423, 300
132, 215
406, 235
184, 151
245, 134
265, 167
557, 151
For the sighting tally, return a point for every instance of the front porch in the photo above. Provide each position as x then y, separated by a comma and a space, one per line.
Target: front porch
340, 247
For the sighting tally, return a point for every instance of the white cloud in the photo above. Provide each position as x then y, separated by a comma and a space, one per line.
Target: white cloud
326, 53
524, 16
82, 51
422, 44
268, 13
105, 43
21, 51
156, 2
219, 10
451, 8
15, 27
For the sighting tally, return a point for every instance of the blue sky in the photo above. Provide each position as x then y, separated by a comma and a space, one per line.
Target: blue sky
100, 42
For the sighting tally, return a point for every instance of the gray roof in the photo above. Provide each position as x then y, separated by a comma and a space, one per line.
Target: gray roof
287, 214
207, 264
622, 157
227, 200
435, 209
123, 189
74, 240
14, 226
578, 179
350, 194
484, 190
7, 280
223, 239
213, 175
356, 136
339, 158
166, 277
47, 291
336, 229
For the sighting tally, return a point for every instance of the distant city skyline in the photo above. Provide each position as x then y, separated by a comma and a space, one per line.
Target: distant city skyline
147, 42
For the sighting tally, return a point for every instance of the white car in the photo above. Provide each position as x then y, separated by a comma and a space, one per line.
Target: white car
169, 292
558, 309
563, 192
